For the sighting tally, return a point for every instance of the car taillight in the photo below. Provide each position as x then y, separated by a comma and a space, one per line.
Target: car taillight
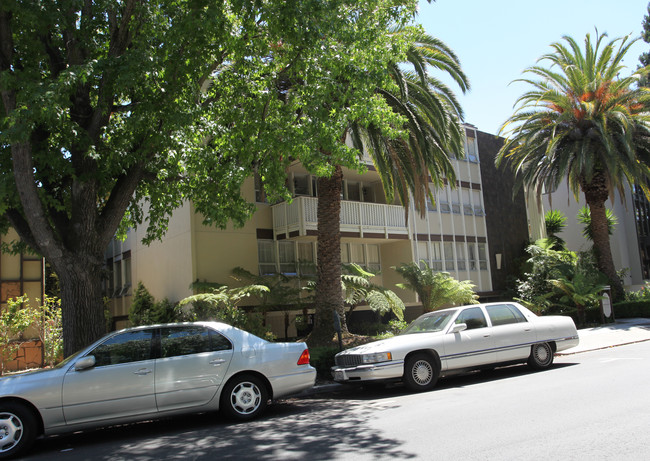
304, 358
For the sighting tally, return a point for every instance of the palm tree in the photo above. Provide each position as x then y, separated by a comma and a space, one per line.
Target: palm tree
435, 289
582, 123
433, 123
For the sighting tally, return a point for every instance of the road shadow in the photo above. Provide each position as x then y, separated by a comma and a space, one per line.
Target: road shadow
290, 429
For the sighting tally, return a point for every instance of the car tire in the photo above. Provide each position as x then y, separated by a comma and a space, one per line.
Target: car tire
421, 372
244, 397
18, 428
541, 356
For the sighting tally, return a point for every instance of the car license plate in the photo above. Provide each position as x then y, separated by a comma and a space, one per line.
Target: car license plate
339, 375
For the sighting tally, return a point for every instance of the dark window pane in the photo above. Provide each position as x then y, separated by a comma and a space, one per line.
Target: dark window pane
473, 318
219, 341
132, 346
184, 341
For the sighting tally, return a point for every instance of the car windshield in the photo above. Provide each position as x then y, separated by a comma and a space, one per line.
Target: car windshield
431, 323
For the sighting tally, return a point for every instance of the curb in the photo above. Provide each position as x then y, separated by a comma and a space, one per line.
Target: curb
601, 347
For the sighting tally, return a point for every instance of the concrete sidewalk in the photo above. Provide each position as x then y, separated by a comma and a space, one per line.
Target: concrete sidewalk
624, 331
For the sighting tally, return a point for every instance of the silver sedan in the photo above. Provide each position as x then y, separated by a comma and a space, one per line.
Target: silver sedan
149, 372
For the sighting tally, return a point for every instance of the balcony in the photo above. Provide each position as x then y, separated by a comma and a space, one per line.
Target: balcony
372, 220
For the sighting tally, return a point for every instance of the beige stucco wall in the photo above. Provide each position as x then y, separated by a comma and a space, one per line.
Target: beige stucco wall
624, 244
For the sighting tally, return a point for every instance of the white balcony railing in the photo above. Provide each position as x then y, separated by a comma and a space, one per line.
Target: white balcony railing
372, 218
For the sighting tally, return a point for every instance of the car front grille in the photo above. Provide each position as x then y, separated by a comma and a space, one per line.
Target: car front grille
348, 360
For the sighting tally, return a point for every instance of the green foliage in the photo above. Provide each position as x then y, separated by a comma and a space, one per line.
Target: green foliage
435, 289
584, 123
146, 311
555, 222
632, 309
48, 322
221, 305
14, 320
322, 358
584, 217
560, 281
641, 295
19, 316
123, 111
358, 288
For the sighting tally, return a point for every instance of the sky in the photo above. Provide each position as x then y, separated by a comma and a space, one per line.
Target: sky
496, 40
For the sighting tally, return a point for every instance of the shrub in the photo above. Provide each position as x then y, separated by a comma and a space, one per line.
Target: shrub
631, 309
322, 358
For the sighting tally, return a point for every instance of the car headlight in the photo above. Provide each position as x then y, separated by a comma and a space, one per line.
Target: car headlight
378, 357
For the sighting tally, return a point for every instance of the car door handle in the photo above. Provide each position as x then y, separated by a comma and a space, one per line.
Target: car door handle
217, 362
142, 372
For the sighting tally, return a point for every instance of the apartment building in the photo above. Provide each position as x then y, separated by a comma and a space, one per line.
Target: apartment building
453, 236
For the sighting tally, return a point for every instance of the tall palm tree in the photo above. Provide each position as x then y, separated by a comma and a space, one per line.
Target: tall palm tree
433, 123
584, 124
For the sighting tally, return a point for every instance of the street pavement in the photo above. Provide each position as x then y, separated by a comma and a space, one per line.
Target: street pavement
620, 333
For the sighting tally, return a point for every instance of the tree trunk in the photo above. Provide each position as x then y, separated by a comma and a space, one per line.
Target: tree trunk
329, 295
596, 194
82, 306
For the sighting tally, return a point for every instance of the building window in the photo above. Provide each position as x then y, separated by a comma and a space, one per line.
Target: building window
301, 185
436, 256
366, 256
266, 257
260, 196
353, 191
287, 257
117, 278
470, 149
306, 260
450, 262
471, 253
373, 261
357, 255
461, 257
423, 254
482, 257
126, 266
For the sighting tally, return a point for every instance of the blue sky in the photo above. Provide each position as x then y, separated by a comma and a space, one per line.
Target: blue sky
496, 40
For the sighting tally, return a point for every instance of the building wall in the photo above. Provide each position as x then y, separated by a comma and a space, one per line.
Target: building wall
624, 244
455, 234
506, 215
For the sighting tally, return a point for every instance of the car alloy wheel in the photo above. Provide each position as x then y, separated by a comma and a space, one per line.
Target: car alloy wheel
541, 356
421, 372
244, 397
17, 429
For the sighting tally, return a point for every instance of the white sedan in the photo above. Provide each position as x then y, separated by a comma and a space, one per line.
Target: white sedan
455, 340
149, 372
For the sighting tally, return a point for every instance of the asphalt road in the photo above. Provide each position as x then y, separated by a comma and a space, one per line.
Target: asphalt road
589, 406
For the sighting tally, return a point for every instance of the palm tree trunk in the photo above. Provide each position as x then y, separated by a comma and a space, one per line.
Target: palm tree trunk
596, 194
329, 295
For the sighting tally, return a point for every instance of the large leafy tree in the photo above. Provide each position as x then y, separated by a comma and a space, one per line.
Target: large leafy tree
114, 113
430, 118
583, 123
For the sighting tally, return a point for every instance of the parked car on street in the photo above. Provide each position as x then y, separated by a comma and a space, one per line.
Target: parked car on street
149, 372
456, 340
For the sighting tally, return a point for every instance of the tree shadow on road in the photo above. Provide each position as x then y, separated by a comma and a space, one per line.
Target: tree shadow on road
290, 429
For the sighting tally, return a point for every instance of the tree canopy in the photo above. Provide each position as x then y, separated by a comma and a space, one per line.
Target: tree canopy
583, 123
114, 113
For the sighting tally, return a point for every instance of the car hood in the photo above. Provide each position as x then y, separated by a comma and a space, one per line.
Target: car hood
14, 384
393, 344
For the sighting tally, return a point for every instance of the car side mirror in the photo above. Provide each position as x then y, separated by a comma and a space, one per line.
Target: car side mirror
459, 327
84, 363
